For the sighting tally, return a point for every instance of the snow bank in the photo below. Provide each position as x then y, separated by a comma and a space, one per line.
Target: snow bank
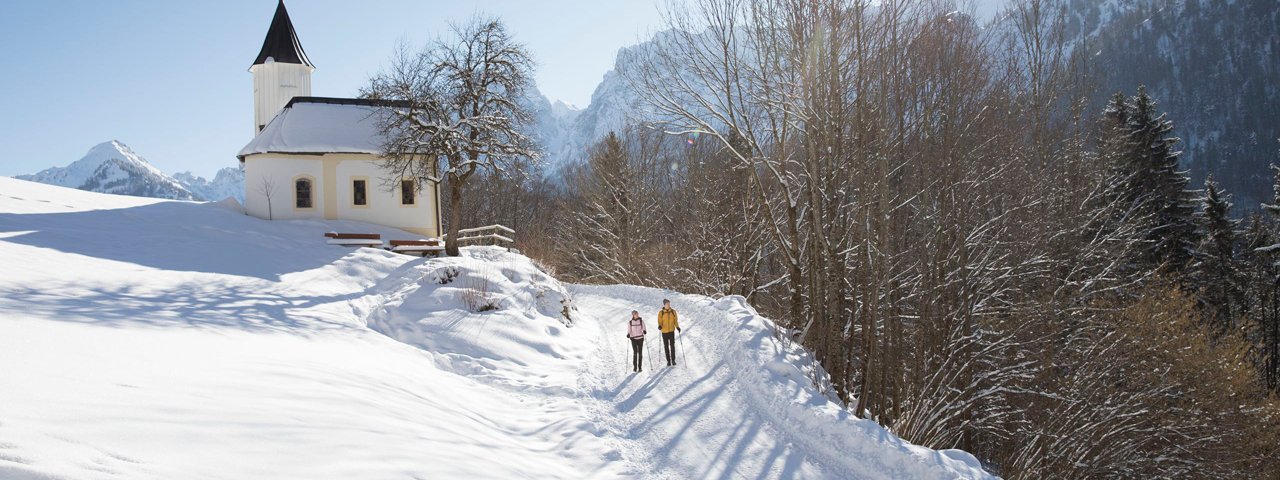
786, 387
489, 314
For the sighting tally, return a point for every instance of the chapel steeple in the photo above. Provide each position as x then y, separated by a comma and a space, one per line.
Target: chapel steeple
281, 44
281, 71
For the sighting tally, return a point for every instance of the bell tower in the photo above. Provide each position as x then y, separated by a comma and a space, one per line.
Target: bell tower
281, 71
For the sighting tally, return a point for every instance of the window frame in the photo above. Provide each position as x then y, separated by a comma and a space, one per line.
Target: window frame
413, 189
311, 192
352, 198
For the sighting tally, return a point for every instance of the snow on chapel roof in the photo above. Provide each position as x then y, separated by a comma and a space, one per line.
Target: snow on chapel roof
281, 44
319, 125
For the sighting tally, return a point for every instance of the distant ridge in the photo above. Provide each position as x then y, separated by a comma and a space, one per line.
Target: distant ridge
113, 167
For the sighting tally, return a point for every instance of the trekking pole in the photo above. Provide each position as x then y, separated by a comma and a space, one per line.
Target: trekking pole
649, 353
684, 359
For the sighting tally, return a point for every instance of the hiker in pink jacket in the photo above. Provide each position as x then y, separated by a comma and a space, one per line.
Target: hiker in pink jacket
636, 332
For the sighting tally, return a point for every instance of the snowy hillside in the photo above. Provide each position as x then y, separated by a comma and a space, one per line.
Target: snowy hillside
1213, 66
144, 338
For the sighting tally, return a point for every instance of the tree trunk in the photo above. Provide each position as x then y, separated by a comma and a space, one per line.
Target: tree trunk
455, 219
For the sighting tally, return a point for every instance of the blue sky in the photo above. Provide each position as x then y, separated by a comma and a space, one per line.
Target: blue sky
170, 79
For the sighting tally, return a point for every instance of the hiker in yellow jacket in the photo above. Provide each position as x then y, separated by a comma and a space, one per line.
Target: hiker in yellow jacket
668, 324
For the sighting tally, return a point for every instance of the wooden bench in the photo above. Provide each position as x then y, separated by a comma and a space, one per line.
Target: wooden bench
355, 239
421, 247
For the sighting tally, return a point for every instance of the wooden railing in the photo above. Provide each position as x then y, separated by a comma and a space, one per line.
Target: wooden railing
488, 235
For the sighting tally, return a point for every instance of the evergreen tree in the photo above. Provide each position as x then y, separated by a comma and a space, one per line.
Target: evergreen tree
1215, 272
1114, 137
1116, 204
1261, 308
609, 221
1158, 187
1265, 282
1273, 208
1114, 151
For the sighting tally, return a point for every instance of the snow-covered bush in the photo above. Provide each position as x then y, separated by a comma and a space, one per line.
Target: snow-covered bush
478, 294
416, 303
443, 275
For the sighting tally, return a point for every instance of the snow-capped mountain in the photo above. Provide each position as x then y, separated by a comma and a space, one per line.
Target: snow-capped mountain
552, 121
614, 105
113, 167
228, 182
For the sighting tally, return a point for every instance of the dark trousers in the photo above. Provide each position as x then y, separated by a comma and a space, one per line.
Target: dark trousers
669, 347
637, 352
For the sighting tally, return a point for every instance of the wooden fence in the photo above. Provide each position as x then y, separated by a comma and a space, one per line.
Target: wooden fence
488, 235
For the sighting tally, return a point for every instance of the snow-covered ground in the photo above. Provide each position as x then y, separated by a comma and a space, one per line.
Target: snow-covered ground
142, 338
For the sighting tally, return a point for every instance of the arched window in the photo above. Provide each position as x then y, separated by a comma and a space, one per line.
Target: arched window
302, 193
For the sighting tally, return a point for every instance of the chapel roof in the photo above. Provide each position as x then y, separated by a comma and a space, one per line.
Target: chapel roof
320, 125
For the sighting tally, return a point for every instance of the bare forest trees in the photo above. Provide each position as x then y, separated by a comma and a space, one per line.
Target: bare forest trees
880, 193
455, 110
518, 197
930, 208
653, 209
977, 258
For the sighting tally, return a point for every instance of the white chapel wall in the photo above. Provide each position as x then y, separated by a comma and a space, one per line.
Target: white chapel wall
279, 172
384, 205
333, 191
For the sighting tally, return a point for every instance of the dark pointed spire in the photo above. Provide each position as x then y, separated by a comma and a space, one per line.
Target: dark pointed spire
282, 41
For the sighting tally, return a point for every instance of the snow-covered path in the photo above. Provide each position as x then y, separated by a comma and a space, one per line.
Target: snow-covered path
722, 414
685, 421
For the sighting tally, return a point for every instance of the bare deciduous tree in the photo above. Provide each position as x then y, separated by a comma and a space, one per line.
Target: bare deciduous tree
267, 188
457, 110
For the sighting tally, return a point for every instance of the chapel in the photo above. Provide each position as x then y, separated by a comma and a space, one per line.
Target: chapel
319, 157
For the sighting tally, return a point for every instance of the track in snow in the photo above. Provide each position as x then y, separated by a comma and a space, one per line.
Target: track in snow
688, 421
738, 406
